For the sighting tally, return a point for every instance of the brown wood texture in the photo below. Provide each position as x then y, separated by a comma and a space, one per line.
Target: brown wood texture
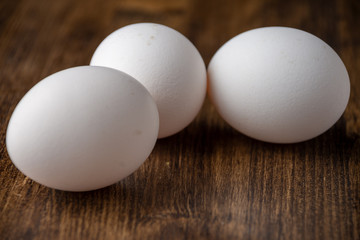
209, 181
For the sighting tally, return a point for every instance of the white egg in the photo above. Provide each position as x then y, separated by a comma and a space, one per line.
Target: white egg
166, 63
82, 129
278, 84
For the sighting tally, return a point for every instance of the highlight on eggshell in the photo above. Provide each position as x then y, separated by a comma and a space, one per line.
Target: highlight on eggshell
166, 63
82, 129
278, 84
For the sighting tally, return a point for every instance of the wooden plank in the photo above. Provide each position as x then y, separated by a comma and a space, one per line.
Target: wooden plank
209, 181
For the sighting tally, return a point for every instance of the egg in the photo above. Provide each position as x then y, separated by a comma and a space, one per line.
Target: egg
278, 84
82, 129
166, 63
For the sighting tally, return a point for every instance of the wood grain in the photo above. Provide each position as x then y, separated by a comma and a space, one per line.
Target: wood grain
209, 181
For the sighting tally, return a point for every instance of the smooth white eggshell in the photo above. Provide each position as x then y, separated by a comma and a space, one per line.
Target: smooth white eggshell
278, 84
166, 63
82, 129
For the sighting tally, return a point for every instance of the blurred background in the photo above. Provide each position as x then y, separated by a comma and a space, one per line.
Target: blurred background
77, 27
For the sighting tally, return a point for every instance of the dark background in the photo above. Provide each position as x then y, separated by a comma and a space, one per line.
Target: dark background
209, 181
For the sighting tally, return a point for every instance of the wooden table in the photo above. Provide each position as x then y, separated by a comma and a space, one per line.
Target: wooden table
209, 181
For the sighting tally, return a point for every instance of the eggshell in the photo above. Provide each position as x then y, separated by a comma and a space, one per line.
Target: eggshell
83, 128
278, 84
166, 63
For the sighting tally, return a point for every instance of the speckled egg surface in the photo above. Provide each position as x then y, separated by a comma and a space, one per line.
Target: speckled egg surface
166, 63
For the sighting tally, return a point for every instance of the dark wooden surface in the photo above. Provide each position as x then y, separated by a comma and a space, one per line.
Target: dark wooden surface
209, 181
